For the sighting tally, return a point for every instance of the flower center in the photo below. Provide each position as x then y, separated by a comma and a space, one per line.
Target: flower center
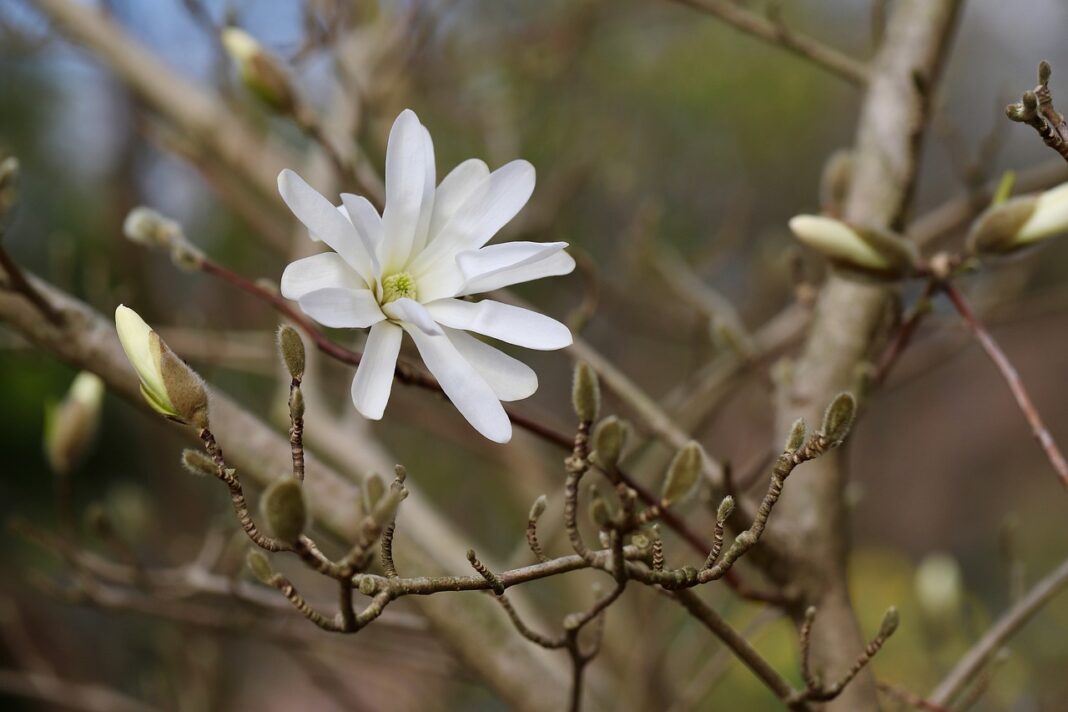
398, 286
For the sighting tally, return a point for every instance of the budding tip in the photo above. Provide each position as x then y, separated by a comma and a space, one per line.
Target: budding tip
585, 393
291, 347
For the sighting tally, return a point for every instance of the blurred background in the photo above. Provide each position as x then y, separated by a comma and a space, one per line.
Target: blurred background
668, 146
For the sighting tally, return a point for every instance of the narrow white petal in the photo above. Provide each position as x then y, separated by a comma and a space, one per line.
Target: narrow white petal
309, 274
364, 218
325, 222
515, 325
374, 375
552, 266
412, 312
454, 191
342, 308
405, 189
426, 210
494, 258
510, 378
463, 385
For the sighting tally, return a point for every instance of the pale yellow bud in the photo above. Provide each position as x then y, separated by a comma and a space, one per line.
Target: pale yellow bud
938, 585
71, 425
860, 251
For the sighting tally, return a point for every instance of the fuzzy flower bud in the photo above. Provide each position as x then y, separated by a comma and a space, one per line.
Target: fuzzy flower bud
538, 508
167, 384
71, 425
283, 507
373, 489
796, 438
197, 463
682, 474
891, 620
586, 393
938, 585
726, 507
259, 566
1019, 223
260, 71
865, 252
609, 437
599, 512
838, 418
291, 346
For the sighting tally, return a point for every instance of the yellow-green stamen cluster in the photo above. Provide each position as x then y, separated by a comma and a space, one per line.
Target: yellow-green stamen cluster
398, 286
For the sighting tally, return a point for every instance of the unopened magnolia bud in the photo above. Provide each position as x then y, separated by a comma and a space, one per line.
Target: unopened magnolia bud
890, 622
538, 508
838, 419
296, 404
938, 586
367, 586
835, 181
143, 348
725, 509
283, 507
1021, 222
197, 463
867, 252
291, 346
185, 388
796, 438
599, 512
260, 72
682, 474
1045, 71
259, 566
71, 425
373, 489
148, 227
609, 437
586, 393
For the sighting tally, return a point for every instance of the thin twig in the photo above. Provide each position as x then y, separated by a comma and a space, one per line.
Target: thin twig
1012, 378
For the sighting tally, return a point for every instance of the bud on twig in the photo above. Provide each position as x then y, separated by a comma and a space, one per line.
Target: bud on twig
197, 463
890, 622
291, 346
260, 71
150, 228
71, 425
609, 437
682, 474
284, 509
867, 252
726, 507
796, 438
599, 512
373, 489
537, 509
838, 419
586, 393
259, 566
1019, 223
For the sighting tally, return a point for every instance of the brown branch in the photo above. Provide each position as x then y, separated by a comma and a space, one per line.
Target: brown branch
18, 283
1012, 378
1036, 110
773, 31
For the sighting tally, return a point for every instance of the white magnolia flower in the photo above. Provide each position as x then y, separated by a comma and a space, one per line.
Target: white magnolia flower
409, 270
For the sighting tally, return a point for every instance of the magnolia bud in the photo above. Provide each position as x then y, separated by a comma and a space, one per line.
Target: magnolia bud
890, 622
367, 586
197, 463
938, 585
184, 388
838, 418
283, 507
1021, 222
259, 566
682, 474
609, 437
586, 393
865, 252
599, 512
796, 438
537, 509
260, 72
71, 425
291, 347
726, 507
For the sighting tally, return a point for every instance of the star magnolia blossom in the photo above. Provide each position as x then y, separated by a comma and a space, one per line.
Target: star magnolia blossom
409, 269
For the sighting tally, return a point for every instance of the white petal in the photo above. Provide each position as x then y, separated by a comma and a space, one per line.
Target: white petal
510, 378
374, 375
342, 308
364, 218
325, 221
454, 191
554, 265
412, 312
467, 390
427, 208
309, 274
489, 260
515, 325
488, 208
405, 189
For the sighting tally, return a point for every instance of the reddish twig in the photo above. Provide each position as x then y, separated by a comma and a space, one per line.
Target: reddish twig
1012, 378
